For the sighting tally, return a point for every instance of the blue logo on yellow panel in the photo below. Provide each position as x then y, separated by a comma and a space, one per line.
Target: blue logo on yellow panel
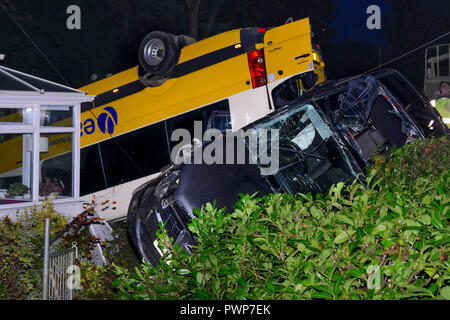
106, 122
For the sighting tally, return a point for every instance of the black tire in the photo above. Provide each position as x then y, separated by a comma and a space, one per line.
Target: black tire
146, 235
139, 203
159, 53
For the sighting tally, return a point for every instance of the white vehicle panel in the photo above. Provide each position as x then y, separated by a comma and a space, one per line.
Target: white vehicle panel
121, 194
248, 106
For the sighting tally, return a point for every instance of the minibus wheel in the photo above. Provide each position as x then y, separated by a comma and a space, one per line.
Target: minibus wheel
158, 53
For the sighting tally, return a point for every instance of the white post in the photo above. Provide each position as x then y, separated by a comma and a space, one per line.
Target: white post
76, 151
46, 258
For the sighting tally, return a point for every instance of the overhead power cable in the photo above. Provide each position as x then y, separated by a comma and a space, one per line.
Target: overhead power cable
35, 45
405, 54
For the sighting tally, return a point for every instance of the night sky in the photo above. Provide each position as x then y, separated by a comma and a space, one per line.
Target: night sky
111, 32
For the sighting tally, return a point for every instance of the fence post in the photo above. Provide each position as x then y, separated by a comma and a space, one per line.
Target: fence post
46, 258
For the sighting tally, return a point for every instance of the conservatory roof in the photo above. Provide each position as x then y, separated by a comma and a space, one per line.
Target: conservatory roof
15, 81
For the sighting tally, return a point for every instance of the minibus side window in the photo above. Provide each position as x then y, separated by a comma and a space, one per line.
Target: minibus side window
135, 154
92, 178
220, 120
186, 120
287, 91
138, 153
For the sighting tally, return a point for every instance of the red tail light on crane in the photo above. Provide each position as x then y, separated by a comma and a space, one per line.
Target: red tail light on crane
257, 67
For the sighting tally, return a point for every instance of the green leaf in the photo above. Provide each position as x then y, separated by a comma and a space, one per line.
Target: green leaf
426, 200
321, 295
345, 219
183, 272
316, 213
325, 254
139, 274
199, 277
413, 291
202, 294
343, 236
437, 223
359, 234
445, 292
426, 219
25, 259
355, 272
242, 282
117, 282
438, 211
379, 228
387, 243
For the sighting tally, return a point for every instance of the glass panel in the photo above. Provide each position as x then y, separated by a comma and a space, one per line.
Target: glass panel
220, 120
431, 52
204, 114
16, 168
55, 155
287, 91
16, 115
134, 155
91, 172
443, 67
310, 158
56, 116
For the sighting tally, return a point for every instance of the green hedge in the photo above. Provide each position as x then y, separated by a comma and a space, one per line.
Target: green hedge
388, 239
21, 252
21, 255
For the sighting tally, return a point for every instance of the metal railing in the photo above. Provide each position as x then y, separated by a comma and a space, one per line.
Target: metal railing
59, 274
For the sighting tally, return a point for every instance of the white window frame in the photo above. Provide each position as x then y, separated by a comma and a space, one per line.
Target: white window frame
37, 130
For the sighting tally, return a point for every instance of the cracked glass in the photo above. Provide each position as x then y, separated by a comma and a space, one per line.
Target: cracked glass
311, 158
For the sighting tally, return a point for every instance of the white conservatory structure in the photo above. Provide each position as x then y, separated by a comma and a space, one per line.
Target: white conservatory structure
39, 119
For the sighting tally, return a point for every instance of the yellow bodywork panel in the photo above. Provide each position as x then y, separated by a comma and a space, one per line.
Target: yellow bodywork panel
58, 143
288, 49
111, 82
11, 154
210, 44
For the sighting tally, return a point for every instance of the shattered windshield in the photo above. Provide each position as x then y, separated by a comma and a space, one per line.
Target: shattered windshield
310, 157
356, 103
